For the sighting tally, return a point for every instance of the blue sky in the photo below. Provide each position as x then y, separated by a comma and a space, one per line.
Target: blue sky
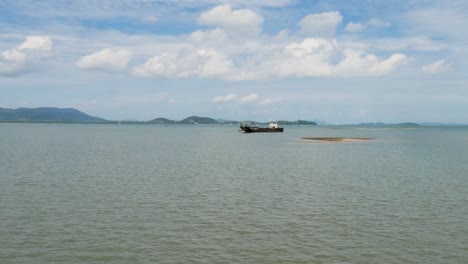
338, 61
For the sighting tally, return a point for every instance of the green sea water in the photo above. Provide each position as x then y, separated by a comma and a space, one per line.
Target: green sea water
209, 194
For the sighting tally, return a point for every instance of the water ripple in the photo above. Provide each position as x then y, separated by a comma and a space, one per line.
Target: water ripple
151, 194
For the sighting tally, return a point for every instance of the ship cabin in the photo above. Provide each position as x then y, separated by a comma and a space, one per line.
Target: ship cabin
273, 124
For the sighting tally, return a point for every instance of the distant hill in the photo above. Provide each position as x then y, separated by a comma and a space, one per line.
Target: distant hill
441, 124
47, 114
224, 121
198, 120
298, 122
380, 124
71, 115
162, 120
189, 120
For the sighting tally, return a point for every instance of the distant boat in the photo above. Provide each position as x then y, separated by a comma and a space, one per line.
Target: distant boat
272, 127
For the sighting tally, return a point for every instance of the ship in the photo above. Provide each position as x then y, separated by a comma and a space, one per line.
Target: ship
272, 127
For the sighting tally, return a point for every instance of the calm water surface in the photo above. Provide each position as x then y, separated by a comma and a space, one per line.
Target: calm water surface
209, 194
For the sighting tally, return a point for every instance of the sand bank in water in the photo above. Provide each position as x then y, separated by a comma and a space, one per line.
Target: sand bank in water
337, 139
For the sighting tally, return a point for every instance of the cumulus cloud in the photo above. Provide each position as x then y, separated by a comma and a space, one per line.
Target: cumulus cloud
321, 48
436, 67
309, 58
354, 27
357, 63
239, 22
106, 60
212, 38
25, 57
225, 99
187, 63
42, 43
312, 57
321, 24
315, 57
217, 53
249, 98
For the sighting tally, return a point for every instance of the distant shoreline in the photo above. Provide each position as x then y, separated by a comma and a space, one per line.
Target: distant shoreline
73, 116
336, 126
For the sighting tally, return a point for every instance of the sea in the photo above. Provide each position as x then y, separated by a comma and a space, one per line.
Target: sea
87, 193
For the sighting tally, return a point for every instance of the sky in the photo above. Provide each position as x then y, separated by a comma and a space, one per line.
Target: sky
336, 61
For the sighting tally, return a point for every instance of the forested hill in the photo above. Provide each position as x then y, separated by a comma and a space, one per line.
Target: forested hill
47, 114
71, 115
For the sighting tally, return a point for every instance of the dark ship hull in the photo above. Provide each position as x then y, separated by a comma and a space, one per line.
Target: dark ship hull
252, 129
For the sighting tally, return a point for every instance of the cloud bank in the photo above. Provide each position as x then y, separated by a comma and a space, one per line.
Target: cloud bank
230, 46
234, 51
312, 57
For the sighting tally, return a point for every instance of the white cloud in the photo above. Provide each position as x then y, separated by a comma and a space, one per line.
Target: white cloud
373, 22
215, 53
357, 63
311, 46
312, 57
249, 98
23, 58
187, 63
238, 22
212, 38
315, 57
36, 43
225, 99
321, 25
354, 27
215, 64
436, 67
309, 58
106, 60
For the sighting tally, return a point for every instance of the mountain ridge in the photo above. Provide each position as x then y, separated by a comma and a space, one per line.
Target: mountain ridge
72, 115
47, 114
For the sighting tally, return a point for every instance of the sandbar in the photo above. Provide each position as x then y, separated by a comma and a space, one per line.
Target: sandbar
338, 139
